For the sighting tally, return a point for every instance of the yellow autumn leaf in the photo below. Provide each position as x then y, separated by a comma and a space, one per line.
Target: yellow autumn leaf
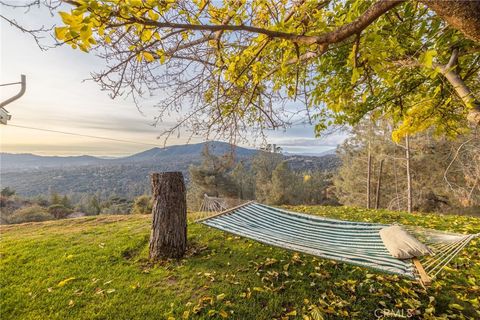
292, 313
316, 314
60, 32
152, 15
66, 17
148, 56
223, 314
455, 306
211, 312
64, 282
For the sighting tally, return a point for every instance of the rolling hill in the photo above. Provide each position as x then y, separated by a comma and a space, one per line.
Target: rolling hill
32, 175
28, 161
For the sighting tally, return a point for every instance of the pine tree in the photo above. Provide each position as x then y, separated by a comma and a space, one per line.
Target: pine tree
244, 181
264, 163
94, 206
284, 183
66, 202
212, 176
55, 198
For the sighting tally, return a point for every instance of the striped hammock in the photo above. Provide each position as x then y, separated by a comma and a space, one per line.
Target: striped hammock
356, 243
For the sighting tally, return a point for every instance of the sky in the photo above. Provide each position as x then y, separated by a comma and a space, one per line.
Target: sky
59, 97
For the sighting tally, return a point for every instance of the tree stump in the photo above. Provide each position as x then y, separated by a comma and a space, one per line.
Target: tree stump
168, 238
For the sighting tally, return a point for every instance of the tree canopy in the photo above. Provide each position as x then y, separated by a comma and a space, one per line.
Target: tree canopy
234, 67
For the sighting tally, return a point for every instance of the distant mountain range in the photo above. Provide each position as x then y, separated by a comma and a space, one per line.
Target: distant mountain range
32, 175
313, 154
28, 161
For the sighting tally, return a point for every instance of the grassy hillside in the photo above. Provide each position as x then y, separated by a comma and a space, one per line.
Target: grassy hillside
96, 268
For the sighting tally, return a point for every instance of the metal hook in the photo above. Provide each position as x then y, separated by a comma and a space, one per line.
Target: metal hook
4, 116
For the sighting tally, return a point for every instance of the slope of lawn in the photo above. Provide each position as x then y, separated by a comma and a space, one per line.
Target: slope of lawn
96, 268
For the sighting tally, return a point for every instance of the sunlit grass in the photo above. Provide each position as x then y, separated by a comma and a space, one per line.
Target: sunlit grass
96, 268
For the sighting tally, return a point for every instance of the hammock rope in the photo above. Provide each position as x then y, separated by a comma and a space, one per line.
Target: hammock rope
357, 243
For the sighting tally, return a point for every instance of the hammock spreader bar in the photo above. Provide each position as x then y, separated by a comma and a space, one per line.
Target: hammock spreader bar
356, 243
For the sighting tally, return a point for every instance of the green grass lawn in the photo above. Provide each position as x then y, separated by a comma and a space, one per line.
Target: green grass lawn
96, 268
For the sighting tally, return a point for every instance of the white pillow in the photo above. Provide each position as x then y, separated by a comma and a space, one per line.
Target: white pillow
402, 245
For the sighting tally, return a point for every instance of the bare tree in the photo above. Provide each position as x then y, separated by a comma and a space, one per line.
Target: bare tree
195, 50
462, 174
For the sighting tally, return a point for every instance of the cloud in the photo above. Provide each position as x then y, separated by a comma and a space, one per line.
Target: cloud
58, 99
124, 124
328, 141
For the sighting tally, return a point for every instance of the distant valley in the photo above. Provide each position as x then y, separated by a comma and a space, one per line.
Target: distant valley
32, 175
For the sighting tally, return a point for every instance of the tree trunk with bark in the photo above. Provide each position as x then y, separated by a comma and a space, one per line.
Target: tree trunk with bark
369, 170
168, 238
379, 184
463, 15
409, 177
449, 71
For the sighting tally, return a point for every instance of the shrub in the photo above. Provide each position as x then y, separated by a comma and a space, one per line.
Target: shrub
142, 205
59, 211
7, 192
33, 213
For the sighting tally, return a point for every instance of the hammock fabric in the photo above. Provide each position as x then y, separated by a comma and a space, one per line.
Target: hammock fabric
357, 243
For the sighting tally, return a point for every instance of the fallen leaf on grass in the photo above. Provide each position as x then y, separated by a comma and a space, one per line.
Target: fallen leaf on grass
455, 306
64, 282
292, 313
223, 314
316, 314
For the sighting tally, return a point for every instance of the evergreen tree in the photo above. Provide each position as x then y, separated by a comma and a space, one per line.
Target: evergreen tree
244, 181
264, 163
94, 206
315, 188
284, 183
66, 202
212, 176
55, 198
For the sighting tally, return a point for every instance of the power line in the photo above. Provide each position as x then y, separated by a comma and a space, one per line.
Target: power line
9, 84
83, 135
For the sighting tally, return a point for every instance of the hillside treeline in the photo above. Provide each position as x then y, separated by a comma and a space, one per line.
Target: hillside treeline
18, 209
434, 174
268, 178
422, 172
